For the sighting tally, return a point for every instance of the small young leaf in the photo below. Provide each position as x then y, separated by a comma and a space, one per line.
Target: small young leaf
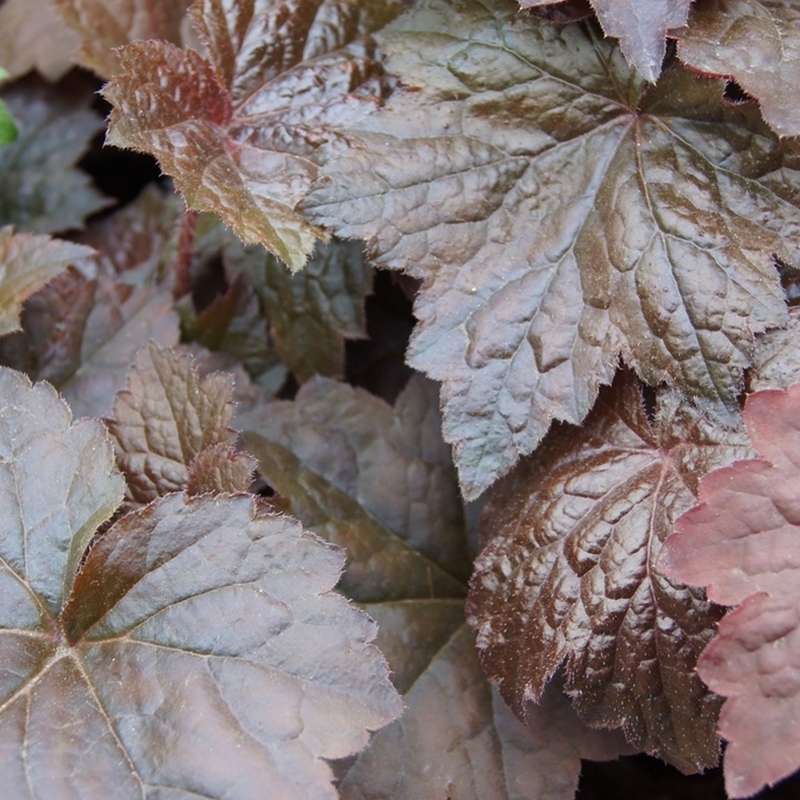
562, 213
105, 25
198, 651
569, 574
41, 190
164, 419
27, 263
220, 469
33, 36
757, 43
8, 130
640, 27
742, 543
242, 132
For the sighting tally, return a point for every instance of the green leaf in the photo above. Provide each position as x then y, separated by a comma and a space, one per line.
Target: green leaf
8, 130
41, 190
561, 214
756, 43
27, 263
311, 313
569, 574
243, 131
198, 651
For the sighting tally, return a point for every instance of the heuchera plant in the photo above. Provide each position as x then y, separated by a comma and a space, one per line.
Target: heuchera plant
240, 554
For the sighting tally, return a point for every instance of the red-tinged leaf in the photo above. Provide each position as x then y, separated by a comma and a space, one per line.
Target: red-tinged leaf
569, 574
560, 213
756, 42
166, 417
41, 190
311, 313
198, 651
742, 542
33, 36
374, 479
243, 131
27, 263
640, 27
458, 739
103, 25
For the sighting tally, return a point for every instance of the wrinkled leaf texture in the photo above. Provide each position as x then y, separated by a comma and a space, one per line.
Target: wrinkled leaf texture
166, 419
756, 42
741, 543
242, 131
569, 574
198, 651
561, 213
379, 481
640, 27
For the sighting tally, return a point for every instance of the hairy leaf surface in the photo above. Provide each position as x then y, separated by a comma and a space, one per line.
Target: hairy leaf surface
640, 27
103, 25
198, 651
756, 42
562, 213
33, 36
242, 132
165, 419
41, 190
27, 263
569, 574
742, 542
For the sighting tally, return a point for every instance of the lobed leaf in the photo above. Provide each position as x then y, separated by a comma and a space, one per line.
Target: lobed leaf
198, 651
27, 263
755, 42
741, 543
42, 191
569, 574
243, 131
640, 27
561, 213
165, 419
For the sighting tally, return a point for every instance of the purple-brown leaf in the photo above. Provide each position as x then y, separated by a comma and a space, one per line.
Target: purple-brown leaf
198, 651
755, 42
569, 575
243, 131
